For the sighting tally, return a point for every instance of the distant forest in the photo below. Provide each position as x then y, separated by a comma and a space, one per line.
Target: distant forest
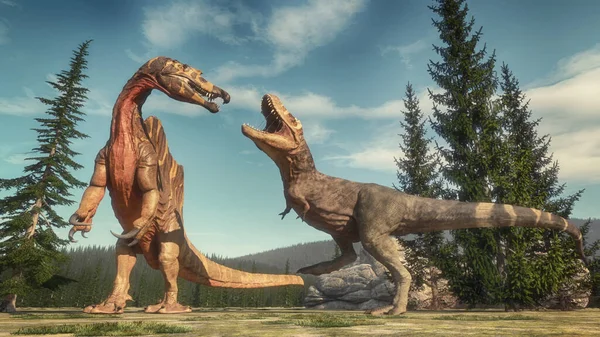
94, 269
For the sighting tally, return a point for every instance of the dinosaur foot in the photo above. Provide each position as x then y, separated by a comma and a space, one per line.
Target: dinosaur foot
174, 308
104, 308
386, 310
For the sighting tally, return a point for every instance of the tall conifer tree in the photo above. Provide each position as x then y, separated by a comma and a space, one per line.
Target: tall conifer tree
465, 118
418, 174
529, 178
29, 248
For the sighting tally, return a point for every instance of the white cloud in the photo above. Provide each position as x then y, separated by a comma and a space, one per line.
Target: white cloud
311, 105
375, 158
4, 29
571, 66
135, 57
578, 154
293, 32
97, 103
570, 108
315, 132
169, 26
406, 51
9, 3
21, 105
376, 154
17, 159
28, 105
577, 97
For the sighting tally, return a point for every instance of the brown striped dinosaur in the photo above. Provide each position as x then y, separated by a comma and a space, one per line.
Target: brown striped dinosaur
370, 213
145, 185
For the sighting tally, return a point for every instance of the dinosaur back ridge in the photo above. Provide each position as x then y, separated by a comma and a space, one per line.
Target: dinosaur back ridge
170, 173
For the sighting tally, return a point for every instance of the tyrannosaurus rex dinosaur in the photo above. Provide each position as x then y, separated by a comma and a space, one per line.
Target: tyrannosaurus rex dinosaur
145, 184
370, 213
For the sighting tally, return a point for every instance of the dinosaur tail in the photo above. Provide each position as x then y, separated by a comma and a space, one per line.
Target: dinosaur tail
196, 267
447, 214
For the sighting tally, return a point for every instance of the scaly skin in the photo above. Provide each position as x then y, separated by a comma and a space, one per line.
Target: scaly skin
145, 184
371, 213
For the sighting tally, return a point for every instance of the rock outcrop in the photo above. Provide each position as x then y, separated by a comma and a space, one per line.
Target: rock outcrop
365, 285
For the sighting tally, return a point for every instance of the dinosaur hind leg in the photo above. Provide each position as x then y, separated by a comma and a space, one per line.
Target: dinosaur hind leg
115, 303
385, 250
169, 267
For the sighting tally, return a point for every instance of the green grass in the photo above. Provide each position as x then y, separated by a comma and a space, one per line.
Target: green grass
202, 318
517, 317
327, 321
61, 316
106, 329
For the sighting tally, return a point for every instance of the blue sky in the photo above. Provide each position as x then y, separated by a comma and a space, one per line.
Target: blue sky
340, 66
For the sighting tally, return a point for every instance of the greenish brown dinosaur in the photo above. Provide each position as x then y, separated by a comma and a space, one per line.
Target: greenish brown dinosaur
146, 189
370, 213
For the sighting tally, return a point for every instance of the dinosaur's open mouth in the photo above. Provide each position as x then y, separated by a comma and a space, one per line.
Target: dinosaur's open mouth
275, 124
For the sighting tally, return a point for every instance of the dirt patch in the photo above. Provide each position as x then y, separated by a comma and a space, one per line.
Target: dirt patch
275, 322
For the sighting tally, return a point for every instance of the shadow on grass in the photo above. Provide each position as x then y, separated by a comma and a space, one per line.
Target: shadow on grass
517, 317
136, 328
61, 316
331, 320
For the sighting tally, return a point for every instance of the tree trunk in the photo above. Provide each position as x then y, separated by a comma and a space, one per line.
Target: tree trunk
38, 203
34, 218
435, 298
9, 304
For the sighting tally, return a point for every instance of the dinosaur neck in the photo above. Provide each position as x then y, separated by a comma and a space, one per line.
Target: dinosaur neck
297, 164
127, 113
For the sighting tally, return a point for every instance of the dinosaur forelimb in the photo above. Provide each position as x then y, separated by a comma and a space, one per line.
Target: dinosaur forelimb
141, 225
305, 210
147, 182
348, 256
285, 212
81, 220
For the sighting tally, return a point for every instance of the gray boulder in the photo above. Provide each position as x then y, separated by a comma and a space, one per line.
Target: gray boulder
363, 285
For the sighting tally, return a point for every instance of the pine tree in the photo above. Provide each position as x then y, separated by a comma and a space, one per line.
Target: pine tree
466, 118
529, 178
418, 174
29, 248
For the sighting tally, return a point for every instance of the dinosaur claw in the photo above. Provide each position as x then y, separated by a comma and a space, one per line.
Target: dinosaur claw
133, 243
83, 234
285, 212
71, 233
301, 217
77, 226
74, 220
129, 235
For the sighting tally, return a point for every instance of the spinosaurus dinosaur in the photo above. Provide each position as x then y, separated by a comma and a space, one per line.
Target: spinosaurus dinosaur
145, 184
370, 213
